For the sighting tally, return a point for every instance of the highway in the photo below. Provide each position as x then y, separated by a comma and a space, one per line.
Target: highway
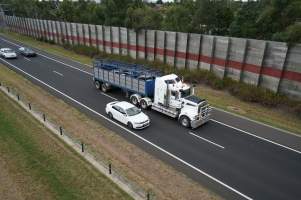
235, 157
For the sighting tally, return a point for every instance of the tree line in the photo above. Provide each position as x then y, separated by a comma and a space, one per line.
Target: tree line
278, 20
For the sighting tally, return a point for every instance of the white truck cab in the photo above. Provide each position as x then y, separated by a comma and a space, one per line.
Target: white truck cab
176, 99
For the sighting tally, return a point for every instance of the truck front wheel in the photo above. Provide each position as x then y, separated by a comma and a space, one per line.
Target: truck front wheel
185, 121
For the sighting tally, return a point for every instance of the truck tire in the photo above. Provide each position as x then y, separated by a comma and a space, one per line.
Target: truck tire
97, 85
185, 121
104, 87
143, 104
134, 100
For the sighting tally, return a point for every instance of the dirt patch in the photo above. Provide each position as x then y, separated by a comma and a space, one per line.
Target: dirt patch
162, 179
8, 186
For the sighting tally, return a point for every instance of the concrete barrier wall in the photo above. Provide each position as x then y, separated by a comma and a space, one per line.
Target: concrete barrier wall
236, 58
267, 64
193, 51
132, 45
253, 62
93, 35
160, 48
272, 65
291, 76
206, 54
180, 50
115, 40
100, 38
124, 41
69, 33
74, 34
141, 47
170, 47
150, 45
107, 39
220, 54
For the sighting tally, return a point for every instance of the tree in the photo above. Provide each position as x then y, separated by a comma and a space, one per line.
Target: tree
178, 17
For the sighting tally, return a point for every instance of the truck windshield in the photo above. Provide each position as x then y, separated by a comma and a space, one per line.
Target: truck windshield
185, 93
133, 111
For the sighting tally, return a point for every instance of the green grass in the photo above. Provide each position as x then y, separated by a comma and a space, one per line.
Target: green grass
47, 169
275, 116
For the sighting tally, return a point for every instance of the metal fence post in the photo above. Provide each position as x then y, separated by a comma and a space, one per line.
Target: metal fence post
110, 168
29, 106
83, 149
18, 97
44, 117
61, 130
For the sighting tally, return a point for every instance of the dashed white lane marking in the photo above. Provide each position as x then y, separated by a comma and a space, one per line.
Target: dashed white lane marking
195, 135
58, 73
109, 96
27, 59
136, 135
261, 138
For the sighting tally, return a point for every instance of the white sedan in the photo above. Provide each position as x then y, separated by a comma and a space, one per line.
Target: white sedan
127, 114
8, 53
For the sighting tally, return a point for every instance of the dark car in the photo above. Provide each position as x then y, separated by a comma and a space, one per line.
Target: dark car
27, 52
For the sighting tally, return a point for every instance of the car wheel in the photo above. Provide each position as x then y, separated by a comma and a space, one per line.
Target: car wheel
134, 100
185, 121
110, 115
130, 125
97, 85
143, 104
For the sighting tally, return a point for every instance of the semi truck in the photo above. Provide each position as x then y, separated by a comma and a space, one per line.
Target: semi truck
148, 88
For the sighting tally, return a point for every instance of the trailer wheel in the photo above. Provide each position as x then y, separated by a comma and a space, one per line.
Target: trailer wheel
97, 84
104, 87
143, 104
185, 121
134, 100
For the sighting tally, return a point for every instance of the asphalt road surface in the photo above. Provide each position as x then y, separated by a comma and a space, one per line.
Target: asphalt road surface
235, 157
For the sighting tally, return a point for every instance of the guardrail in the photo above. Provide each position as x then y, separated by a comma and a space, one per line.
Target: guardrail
102, 165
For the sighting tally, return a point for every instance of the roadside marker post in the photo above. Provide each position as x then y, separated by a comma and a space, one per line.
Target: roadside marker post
29, 106
110, 168
83, 150
61, 130
44, 117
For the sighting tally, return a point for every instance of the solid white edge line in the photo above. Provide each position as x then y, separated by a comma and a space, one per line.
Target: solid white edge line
252, 120
256, 136
141, 138
195, 135
27, 59
58, 73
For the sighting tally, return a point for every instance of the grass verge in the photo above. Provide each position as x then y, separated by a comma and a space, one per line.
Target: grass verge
38, 165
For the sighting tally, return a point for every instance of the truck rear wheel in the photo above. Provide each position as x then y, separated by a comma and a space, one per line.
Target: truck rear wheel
134, 100
185, 121
104, 87
97, 85
143, 104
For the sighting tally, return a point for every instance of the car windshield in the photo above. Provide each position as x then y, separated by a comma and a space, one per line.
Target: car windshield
8, 51
133, 111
